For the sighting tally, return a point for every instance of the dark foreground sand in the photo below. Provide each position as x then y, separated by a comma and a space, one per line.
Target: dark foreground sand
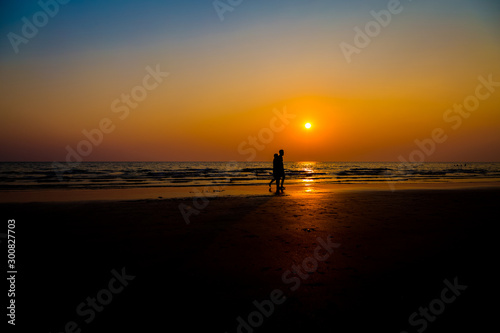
396, 249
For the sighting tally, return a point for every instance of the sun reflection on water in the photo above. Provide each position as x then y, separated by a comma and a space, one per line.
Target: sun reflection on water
309, 169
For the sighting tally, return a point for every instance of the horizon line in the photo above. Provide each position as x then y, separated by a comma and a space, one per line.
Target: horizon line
265, 161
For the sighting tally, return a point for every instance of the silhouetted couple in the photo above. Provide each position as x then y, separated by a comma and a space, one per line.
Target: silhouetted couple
278, 172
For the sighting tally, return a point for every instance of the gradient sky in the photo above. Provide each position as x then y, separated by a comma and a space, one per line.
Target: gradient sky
226, 78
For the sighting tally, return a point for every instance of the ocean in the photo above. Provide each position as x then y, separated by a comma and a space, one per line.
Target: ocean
96, 175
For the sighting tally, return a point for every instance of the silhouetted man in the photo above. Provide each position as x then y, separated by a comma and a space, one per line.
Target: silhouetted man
279, 171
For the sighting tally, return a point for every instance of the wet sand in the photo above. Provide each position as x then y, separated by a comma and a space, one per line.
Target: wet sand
153, 193
392, 253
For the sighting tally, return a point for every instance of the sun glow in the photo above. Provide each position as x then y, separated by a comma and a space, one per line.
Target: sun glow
308, 125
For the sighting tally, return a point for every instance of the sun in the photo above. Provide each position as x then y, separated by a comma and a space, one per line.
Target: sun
308, 125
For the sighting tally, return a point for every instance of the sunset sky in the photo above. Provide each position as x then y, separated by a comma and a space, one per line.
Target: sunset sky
228, 79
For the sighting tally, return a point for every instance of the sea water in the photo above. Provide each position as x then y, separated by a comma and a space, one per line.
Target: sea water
93, 175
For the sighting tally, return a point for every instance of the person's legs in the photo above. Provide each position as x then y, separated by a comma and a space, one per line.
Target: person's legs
282, 181
277, 184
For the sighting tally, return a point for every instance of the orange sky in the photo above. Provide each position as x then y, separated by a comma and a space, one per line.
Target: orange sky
226, 78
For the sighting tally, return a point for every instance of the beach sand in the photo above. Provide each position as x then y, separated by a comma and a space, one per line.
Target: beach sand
393, 251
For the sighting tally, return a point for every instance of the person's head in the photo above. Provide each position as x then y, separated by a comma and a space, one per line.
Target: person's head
275, 155
282, 152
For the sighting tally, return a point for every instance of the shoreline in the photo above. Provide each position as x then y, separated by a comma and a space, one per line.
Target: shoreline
155, 193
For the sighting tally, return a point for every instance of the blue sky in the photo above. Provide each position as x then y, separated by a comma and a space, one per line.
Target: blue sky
90, 24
